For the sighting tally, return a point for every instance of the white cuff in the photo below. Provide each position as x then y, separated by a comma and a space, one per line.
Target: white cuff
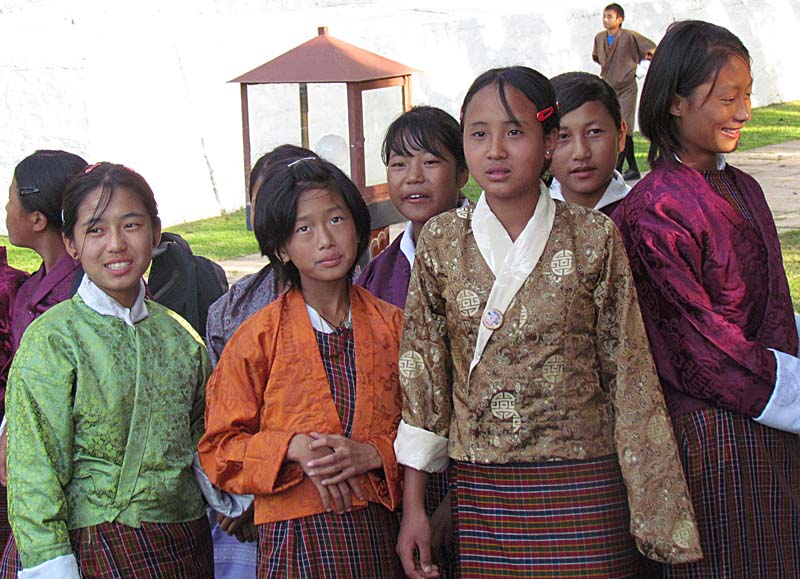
783, 409
63, 567
420, 449
229, 504
796, 325
4, 424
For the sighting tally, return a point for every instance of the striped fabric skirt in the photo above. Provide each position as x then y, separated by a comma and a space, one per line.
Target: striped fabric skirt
116, 551
435, 491
744, 480
330, 546
5, 527
551, 519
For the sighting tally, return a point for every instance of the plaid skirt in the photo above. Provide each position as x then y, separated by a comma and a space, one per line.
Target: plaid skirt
5, 527
435, 491
551, 519
116, 551
744, 480
359, 544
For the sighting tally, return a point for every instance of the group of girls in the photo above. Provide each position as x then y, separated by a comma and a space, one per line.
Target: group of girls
520, 378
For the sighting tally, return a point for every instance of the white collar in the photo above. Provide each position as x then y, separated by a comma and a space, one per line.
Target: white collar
616, 191
721, 162
407, 246
105, 305
320, 324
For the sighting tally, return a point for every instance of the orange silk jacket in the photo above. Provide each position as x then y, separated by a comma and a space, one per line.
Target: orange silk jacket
270, 384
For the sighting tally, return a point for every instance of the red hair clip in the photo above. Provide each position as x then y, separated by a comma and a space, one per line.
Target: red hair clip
544, 114
90, 168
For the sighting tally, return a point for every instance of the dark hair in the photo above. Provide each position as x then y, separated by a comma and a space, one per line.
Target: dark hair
276, 214
424, 129
280, 155
691, 54
614, 7
575, 89
108, 177
47, 173
533, 84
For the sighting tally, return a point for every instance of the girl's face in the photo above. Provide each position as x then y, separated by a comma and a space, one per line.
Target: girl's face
710, 118
19, 223
586, 153
117, 249
324, 243
423, 185
505, 156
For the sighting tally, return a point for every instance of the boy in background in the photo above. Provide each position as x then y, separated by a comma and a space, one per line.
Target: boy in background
618, 51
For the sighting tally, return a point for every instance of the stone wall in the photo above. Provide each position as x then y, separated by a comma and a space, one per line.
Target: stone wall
145, 83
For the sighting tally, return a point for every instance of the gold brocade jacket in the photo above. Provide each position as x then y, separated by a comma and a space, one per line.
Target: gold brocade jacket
568, 375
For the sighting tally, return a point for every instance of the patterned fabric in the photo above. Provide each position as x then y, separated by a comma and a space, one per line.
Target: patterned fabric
743, 478
232, 558
116, 551
554, 519
271, 384
387, 275
337, 350
568, 375
242, 300
330, 546
356, 544
5, 527
618, 63
41, 291
124, 408
712, 288
721, 181
10, 280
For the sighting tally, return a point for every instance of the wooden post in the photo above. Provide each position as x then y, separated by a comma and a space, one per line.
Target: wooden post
407, 93
355, 116
304, 114
246, 148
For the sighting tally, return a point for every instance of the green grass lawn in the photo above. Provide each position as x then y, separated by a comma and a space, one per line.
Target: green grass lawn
217, 238
790, 244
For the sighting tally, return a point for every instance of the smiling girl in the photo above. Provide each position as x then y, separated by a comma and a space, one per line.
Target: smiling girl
707, 261
303, 405
105, 407
525, 365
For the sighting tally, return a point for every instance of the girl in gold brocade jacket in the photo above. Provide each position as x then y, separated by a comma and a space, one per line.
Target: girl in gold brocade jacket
524, 362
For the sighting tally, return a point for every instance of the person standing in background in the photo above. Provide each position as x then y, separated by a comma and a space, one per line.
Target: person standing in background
618, 52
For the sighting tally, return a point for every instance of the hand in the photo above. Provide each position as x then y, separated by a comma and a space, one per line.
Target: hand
348, 458
335, 496
3, 458
415, 538
442, 531
241, 526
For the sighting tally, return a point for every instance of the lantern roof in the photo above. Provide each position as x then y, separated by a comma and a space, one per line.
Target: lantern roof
324, 59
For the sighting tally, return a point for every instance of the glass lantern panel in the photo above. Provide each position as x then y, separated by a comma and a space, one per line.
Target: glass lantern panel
381, 107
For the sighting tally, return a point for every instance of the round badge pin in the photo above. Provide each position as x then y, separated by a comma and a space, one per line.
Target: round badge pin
493, 319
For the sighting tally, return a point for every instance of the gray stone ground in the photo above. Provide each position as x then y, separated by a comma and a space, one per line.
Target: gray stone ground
776, 168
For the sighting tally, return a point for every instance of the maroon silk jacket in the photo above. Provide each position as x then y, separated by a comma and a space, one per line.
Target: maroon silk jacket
712, 288
10, 280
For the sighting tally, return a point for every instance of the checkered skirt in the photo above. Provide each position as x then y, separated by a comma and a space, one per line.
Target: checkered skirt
552, 519
744, 480
116, 551
330, 546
